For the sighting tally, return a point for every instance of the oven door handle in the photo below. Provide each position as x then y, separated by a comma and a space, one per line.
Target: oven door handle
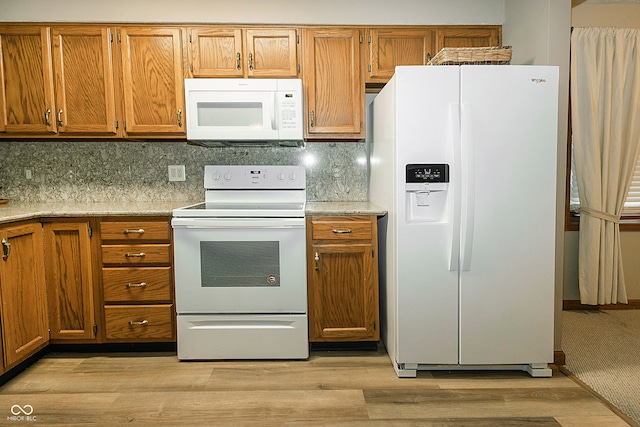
238, 223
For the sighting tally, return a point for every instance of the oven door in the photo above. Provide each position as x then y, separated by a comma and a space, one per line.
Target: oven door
240, 265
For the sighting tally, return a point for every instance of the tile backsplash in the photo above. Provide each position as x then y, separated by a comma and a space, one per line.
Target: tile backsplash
138, 171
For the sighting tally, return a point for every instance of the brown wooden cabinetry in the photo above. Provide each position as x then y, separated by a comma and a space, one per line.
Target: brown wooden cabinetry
342, 266
137, 280
153, 80
64, 81
69, 275
23, 311
244, 52
84, 80
333, 83
468, 36
26, 86
392, 46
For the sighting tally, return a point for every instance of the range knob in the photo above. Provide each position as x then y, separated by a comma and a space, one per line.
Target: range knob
215, 176
292, 176
281, 176
227, 176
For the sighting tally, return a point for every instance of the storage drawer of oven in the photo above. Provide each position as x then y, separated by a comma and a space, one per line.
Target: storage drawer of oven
136, 254
354, 228
136, 231
137, 284
139, 321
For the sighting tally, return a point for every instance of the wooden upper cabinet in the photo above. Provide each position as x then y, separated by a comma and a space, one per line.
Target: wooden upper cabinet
26, 86
333, 84
153, 80
465, 36
389, 47
253, 52
216, 52
84, 80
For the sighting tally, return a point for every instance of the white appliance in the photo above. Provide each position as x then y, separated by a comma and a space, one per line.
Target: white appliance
240, 266
464, 160
249, 111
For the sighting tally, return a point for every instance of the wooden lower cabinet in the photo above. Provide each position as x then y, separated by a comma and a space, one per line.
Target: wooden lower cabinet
342, 265
22, 292
137, 280
70, 281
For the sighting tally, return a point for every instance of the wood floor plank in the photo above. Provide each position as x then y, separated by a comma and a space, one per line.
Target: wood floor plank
582, 421
482, 403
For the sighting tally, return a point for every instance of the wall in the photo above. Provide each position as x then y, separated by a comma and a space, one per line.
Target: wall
604, 15
258, 11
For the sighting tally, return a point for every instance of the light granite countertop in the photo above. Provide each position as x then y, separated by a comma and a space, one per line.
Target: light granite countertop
16, 211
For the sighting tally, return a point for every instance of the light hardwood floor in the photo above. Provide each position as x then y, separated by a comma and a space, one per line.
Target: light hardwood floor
332, 388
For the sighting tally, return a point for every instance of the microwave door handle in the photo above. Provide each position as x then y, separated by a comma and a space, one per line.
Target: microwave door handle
273, 110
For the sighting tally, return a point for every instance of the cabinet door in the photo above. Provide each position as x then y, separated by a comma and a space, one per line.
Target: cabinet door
69, 273
23, 292
342, 299
271, 52
26, 80
334, 88
153, 80
389, 47
216, 52
83, 67
468, 37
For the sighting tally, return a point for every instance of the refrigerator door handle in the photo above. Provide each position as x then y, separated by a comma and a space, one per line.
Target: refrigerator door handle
454, 120
468, 186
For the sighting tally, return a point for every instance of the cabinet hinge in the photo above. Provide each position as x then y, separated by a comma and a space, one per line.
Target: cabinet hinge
124, 124
90, 231
369, 67
111, 38
191, 67
116, 124
360, 38
189, 38
369, 39
95, 329
297, 38
119, 38
298, 67
373, 253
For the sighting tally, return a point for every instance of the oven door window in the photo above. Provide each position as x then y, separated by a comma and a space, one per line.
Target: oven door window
240, 264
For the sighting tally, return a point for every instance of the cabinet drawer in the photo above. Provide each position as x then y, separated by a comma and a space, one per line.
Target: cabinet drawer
139, 321
137, 284
135, 231
136, 254
350, 228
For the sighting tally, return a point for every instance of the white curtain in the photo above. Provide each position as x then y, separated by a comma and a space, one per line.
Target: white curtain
605, 93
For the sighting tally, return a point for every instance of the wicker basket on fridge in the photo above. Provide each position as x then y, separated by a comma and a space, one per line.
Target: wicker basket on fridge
496, 55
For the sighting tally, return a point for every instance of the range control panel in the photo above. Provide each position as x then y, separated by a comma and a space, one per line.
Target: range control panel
254, 177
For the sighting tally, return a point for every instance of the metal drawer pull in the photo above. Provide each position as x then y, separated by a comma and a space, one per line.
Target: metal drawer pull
143, 323
317, 259
60, 123
345, 231
136, 285
140, 255
6, 249
138, 231
46, 117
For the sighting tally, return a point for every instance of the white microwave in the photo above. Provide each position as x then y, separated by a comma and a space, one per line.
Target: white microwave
244, 111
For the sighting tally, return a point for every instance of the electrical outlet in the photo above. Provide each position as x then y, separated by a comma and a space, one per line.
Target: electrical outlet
176, 173
27, 173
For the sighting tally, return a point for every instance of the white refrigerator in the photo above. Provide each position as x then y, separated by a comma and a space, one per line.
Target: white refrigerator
463, 158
